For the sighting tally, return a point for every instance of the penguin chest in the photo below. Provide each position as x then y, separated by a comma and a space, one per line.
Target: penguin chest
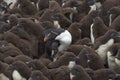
111, 60
3, 77
71, 76
103, 49
117, 61
65, 39
16, 75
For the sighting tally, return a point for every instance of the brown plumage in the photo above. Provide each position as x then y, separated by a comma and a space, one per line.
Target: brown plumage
54, 6
27, 7
62, 60
75, 31
62, 19
38, 65
105, 8
61, 73
89, 59
85, 41
23, 58
8, 49
86, 22
115, 24
21, 68
35, 30
99, 28
25, 47
37, 75
79, 73
43, 4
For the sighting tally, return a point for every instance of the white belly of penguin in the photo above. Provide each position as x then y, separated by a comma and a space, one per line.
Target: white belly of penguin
65, 39
111, 60
71, 76
64, 44
11, 1
117, 61
103, 49
3, 77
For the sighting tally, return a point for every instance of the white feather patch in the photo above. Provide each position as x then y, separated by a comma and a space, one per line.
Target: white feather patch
117, 61
71, 15
11, 1
65, 39
71, 76
71, 64
3, 77
91, 34
54, 59
110, 19
92, 8
103, 49
16, 75
111, 60
98, 4
56, 24
53, 52
63, 4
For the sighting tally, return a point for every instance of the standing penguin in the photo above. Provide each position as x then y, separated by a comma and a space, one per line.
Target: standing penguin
76, 71
103, 43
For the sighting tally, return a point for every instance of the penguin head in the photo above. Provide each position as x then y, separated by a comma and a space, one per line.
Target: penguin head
21, 24
113, 10
56, 17
90, 2
3, 6
115, 35
51, 33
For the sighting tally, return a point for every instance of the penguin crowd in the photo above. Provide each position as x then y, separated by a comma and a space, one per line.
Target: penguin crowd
59, 39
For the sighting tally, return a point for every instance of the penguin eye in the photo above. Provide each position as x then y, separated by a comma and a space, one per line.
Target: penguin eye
56, 17
75, 4
20, 24
114, 35
90, 2
63, 1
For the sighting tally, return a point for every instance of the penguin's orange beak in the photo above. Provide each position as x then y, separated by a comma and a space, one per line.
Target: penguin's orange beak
46, 37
